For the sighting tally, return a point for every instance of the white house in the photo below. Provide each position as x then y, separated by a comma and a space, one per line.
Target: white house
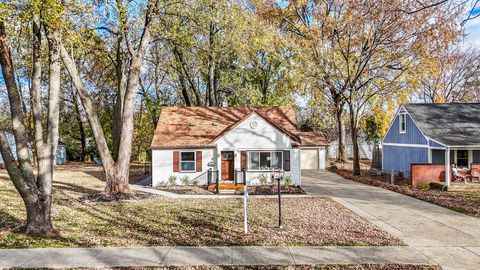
232, 141
365, 148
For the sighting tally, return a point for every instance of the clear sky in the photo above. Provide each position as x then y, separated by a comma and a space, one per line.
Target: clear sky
472, 28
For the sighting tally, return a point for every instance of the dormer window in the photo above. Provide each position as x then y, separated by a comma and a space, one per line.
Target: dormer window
403, 122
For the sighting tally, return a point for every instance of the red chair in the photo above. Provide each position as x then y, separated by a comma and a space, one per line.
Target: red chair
475, 175
458, 179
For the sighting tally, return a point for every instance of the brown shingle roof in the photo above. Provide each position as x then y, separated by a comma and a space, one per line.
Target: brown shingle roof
191, 127
313, 139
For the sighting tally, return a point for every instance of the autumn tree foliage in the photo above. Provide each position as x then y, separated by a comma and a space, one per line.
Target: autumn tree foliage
452, 76
364, 53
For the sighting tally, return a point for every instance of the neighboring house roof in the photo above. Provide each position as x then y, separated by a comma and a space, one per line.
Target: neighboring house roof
452, 124
194, 127
313, 139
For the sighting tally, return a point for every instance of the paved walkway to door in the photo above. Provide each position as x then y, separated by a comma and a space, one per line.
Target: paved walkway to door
447, 238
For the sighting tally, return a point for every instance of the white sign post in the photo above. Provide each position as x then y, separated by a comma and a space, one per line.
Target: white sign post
245, 202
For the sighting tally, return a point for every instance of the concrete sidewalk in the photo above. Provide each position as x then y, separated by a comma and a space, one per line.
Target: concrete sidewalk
448, 238
186, 256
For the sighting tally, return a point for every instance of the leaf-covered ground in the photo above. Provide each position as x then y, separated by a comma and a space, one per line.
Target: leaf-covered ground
463, 202
291, 267
159, 221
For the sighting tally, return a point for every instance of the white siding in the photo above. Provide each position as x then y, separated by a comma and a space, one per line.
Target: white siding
162, 165
264, 137
322, 158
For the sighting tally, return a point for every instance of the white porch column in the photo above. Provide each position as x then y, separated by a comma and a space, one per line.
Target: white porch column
447, 167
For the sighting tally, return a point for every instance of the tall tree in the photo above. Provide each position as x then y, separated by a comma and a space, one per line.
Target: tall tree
307, 23
116, 170
34, 186
358, 51
381, 50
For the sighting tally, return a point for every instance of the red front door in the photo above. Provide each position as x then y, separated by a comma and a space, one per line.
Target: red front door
227, 165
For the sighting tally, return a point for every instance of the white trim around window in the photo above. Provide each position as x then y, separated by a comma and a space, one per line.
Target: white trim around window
251, 166
409, 145
188, 161
402, 123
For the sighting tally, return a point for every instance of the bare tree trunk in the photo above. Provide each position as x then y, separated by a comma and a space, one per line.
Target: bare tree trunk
186, 75
120, 185
36, 191
35, 88
95, 124
211, 69
341, 155
211, 82
39, 220
119, 102
83, 137
339, 104
354, 131
120, 79
116, 172
185, 95
216, 83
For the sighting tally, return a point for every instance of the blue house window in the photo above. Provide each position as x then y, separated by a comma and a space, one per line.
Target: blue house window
403, 122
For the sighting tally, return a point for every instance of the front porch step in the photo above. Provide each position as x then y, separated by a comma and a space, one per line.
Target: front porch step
226, 191
457, 186
463, 187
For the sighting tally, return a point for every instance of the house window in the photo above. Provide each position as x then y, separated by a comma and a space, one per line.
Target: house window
462, 158
187, 161
264, 161
403, 123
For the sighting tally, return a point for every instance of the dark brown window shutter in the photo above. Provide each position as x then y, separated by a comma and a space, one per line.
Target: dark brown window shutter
199, 161
176, 161
286, 160
243, 160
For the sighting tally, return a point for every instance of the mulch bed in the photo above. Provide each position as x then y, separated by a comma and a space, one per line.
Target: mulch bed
291, 267
464, 202
271, 190
183, 189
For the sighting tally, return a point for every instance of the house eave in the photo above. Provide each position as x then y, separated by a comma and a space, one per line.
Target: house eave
293, 137
168, 147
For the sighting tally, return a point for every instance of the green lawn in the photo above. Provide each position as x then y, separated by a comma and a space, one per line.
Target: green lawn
159, 221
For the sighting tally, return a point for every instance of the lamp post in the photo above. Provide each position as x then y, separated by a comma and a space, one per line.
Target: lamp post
245, 206
278, 175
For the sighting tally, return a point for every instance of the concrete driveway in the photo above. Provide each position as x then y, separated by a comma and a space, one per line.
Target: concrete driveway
448, 238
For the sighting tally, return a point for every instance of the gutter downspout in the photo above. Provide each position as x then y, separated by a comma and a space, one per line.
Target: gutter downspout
447, 168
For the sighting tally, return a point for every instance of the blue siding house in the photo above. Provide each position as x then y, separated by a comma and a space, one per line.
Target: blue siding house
11, 142
433, 134
60, 156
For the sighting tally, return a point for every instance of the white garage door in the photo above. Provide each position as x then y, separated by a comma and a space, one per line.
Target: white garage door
309, 159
